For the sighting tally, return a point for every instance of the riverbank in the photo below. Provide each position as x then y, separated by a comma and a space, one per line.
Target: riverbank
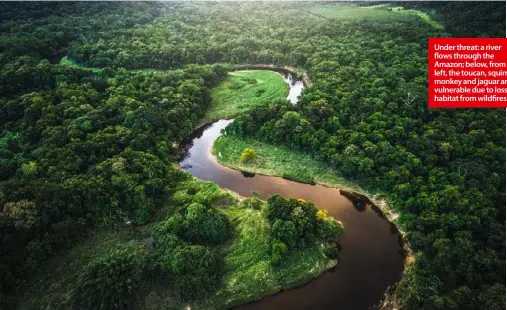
248, 275
299, 73
279, 161
272, 160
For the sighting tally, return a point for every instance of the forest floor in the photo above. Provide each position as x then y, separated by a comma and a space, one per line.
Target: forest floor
242, 91
248, 277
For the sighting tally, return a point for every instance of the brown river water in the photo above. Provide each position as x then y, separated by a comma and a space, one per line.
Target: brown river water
371, 259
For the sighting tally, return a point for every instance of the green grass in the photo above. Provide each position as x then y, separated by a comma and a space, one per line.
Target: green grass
379, 13
346, 12
243, 90
70, 63
277, 161
249, 274
424, 16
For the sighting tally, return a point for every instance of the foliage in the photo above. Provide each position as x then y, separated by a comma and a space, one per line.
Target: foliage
96, 146
322, 214
29, 169
196, 269
203, 192
243, 90
278, 251
250, 272
275, 160
469, 24
184, 242
330, 228
296, 223
252, 203
205, 225
365, 115
247, 155
111, 281
21, 214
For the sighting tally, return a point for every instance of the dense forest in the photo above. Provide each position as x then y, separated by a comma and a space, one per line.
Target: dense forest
92, 144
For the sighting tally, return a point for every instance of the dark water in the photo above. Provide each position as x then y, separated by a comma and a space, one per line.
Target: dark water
371, 259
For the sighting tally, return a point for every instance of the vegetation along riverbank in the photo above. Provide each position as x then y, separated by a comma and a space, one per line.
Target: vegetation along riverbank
243, 90
95, 98
211, 249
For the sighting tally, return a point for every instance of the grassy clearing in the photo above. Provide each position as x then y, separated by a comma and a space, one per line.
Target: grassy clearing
379, 13
69, 63
276, 160
249, 274
72, 64
346, 12
424, 16
243, 90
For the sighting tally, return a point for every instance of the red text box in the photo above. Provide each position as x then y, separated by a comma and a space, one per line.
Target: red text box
467, 72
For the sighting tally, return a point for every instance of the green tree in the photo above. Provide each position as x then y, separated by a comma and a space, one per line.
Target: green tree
247, 155
196, 270
111, 281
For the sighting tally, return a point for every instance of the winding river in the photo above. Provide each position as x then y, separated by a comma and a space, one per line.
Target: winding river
371, 259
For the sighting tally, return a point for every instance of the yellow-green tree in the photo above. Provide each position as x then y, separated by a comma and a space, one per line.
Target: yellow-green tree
247, 155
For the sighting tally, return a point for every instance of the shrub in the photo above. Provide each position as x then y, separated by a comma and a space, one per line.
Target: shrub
331, 250
285, 231
259, 92
249, 80
252, 203
196, 270
237, 85
166, 240
330, 228
322, 214
197, 224
297, 223
211, 194
29, 168
278, 251
111, 281
173, 225
22, 214
247, 155
192, 191
206, 225
300, 178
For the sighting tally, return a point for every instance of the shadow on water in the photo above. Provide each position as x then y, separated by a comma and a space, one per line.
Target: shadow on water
372, 257
247, 174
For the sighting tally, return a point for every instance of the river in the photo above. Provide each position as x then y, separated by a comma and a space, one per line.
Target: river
371, 259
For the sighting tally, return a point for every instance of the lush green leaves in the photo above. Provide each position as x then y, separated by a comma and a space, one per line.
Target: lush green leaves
111, 281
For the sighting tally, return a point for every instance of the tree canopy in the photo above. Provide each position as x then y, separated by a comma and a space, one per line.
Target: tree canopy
91, 141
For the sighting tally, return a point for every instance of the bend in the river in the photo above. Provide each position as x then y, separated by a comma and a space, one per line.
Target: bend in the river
372, 256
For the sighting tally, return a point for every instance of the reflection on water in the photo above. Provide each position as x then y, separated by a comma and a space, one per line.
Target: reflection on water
247, 174
296, 87
371, 259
